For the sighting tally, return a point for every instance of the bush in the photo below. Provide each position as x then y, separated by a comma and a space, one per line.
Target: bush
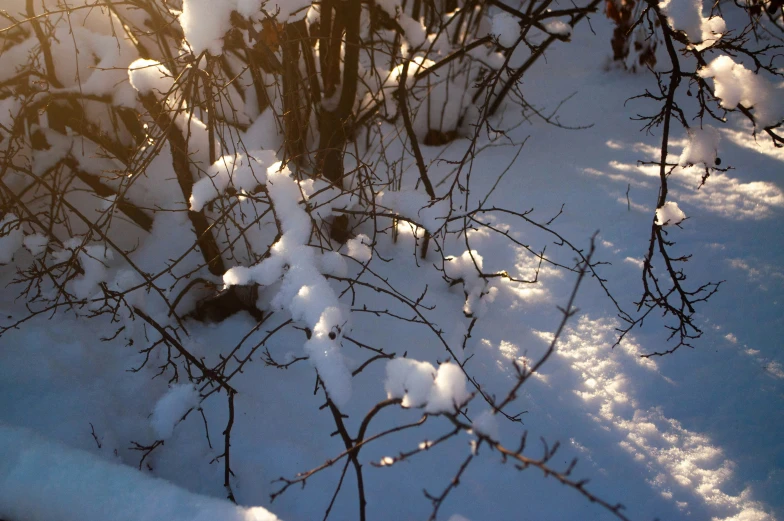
164, 162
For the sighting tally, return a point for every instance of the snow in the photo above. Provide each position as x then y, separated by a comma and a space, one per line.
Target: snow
702, 147
36, 243
486, 424
304, 291
449, 391
669, 214
409, 380
45, 481
333, 263
204, 23
506, 29
468, 268
416, 206
419, 384
359, 248
558, 27
690, 436
109, 75
241, 172
94, 260
686, 16
9, 108
735, 84
11, 237
148, 75
171, 407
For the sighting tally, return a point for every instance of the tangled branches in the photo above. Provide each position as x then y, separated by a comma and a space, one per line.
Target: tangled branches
160, 166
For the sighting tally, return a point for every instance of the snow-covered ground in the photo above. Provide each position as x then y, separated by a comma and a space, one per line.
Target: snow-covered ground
695, 435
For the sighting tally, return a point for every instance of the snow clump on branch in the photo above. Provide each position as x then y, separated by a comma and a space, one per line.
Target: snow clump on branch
702, 147
506, 29
686, 16
304, 292
735, 84
418, 384
669, 214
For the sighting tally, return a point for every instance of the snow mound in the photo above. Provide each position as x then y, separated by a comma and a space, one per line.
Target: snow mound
45, 481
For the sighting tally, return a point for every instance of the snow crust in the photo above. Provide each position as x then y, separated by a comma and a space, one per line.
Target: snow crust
42, 480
